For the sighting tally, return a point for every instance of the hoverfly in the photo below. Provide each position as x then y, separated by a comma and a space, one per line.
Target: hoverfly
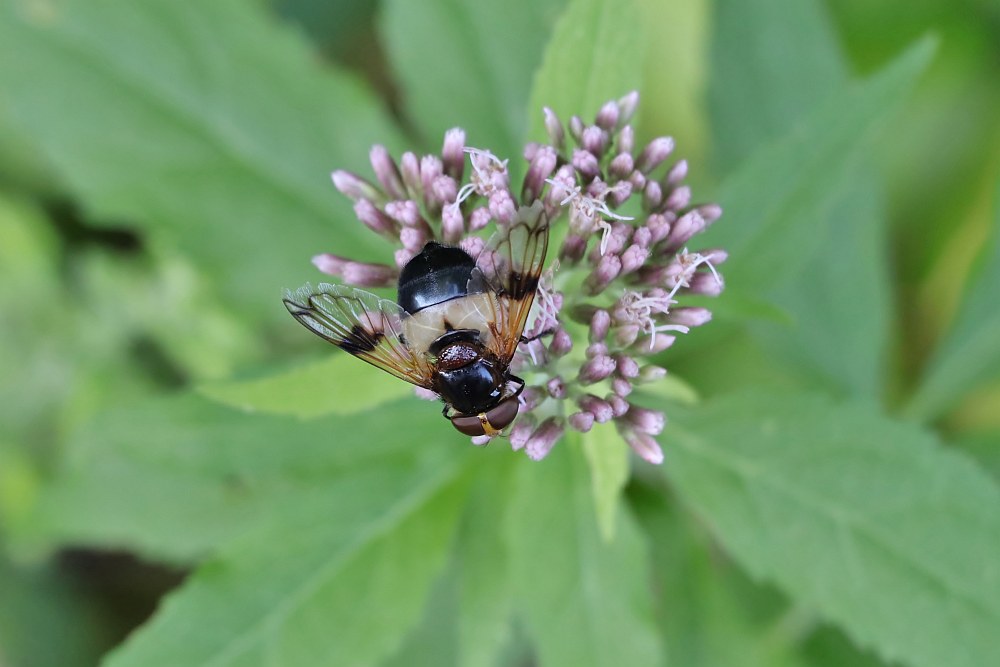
455, 326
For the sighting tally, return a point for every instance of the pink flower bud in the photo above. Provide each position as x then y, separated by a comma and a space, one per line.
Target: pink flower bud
354, 186
645, 446
627, 106
554, 128
561, 343
619, 406
633, 258
600, 322
452, 152
332, 265
521, 431
595, 140
581, 421
586, 163
386, 172
375, 219
452, 223
479, 218
690, 316
598, 407
607, 117
443, 191
621, 166
362, 274
596, 369
627, 366
556, 388
543, 439
626, 139
409, 165
646, 421
676, 174
652, 196
654, 154
621, 386
573, 248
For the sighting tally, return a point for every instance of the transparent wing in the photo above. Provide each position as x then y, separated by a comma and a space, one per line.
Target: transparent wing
360, 323
511, 264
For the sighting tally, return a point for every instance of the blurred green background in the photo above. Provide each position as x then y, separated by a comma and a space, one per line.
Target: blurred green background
164, 172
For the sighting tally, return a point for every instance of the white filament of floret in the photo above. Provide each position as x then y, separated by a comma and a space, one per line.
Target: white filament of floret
689, 262
485, 165
593, 210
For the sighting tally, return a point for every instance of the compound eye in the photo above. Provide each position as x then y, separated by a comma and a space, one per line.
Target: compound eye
468, 424
502, 414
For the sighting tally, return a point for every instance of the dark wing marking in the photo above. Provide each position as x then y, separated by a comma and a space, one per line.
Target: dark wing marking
361, 323
511, 264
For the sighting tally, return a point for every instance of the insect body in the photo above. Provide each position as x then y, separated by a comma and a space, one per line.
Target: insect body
456, 324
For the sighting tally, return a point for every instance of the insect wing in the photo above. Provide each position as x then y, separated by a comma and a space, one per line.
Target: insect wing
361, 323
511, 264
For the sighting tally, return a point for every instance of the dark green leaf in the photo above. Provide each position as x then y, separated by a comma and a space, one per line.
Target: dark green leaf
867, 520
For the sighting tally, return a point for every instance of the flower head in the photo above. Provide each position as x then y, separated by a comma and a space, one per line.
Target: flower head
618, 279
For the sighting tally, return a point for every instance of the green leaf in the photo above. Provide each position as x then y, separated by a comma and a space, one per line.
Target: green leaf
595, 55
197, 475
469, 64
675, 73
841, 309
585, 601
773, 200
485, 596
48, 620
334, 385
338, 579
774, 62
867, 520
607, 457
205, 125
970, 355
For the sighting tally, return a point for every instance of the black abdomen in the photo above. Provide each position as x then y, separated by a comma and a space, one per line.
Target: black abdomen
438, 274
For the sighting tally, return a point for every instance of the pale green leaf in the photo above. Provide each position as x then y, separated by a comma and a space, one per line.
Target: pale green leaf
866, 520
675, 74
607, 457
175, 478
595, 55
206, 125
774, 199
335, 385
469, 64
485, 597
970, 355
338, 579
586, 602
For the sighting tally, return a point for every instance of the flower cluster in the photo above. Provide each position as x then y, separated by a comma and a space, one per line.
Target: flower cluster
621, 268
